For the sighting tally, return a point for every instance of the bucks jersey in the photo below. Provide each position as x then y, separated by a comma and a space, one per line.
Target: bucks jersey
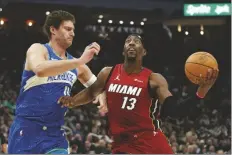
38, 96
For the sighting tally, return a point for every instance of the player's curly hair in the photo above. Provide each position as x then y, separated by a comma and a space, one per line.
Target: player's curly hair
55, 19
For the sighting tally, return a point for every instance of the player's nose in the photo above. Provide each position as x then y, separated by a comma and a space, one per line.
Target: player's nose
131, 43
72, 34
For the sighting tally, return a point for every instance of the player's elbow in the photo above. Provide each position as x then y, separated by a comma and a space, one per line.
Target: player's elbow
169, 108
39, 71
40, 74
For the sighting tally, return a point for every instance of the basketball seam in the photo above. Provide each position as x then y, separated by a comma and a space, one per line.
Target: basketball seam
200, 64
193, 74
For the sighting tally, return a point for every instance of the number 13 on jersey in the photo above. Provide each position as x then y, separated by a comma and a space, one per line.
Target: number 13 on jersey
128, 103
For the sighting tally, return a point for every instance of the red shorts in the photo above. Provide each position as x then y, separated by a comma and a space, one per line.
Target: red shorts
147, 142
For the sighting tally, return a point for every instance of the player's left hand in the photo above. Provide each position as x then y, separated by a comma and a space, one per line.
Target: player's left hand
205, 84
101, 99
66, 101
210, 79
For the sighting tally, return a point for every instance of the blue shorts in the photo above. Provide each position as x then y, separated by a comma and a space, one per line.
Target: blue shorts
28, 137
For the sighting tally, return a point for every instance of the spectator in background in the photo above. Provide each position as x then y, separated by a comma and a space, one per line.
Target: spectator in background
3, 143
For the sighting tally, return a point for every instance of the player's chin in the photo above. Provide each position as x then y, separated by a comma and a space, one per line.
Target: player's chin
69, 43
132, 58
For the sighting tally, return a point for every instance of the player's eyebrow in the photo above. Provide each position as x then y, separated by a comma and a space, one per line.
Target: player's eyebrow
69, 27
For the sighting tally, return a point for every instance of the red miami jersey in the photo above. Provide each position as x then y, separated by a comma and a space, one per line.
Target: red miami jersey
130, 107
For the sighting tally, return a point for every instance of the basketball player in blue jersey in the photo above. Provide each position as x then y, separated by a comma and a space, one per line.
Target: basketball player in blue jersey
49, 73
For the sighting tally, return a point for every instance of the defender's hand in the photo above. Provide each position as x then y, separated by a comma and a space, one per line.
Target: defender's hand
89, 52
205, 84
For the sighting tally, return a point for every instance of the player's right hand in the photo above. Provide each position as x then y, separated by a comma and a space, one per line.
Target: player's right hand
89, 52
101, 99
66, 101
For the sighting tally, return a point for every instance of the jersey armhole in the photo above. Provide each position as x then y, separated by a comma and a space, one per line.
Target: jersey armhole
109, 77
48, 50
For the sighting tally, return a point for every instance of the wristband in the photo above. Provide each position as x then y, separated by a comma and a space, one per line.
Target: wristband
91, 81
199, 96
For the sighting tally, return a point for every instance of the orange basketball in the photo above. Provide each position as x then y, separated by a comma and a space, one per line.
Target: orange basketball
199, 63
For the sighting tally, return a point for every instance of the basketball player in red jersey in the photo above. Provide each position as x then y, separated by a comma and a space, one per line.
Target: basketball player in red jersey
130, 90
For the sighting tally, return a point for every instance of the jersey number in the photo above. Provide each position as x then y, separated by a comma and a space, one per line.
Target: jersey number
66, 91
130, 101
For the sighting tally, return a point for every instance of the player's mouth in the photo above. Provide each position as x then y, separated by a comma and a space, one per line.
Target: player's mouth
131, 50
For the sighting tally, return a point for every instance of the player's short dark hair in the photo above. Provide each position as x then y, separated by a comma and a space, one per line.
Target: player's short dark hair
55, 19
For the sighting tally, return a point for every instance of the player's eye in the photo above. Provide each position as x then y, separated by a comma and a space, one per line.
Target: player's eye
137, 41
68, 28
128, 40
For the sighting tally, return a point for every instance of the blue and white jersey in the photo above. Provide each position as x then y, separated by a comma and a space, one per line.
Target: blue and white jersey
38, 96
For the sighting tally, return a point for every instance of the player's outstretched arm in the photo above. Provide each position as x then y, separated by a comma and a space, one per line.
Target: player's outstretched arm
88, 94
87, 78
85, 75
37, 60
170, 107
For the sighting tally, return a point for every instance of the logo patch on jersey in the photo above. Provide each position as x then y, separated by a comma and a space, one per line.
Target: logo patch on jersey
124, 89
117, 78
137, 80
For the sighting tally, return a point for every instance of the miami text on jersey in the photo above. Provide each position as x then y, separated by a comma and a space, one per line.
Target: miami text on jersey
125, 89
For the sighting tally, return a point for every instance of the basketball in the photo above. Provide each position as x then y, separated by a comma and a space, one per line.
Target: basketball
199, 63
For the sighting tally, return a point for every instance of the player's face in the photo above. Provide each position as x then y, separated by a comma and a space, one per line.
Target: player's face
133, 49
65, 33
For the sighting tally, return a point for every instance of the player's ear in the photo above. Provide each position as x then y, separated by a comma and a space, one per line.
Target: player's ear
123, 53
52, 30
144, 52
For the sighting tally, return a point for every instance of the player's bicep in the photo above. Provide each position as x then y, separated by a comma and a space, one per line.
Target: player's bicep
36, 55
161, 85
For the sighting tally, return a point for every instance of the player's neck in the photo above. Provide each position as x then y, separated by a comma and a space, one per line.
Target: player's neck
59, 50
132, 67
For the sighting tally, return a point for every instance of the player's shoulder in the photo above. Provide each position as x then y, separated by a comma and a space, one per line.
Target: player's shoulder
106, 70
157, 78
156, 75
36, 47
